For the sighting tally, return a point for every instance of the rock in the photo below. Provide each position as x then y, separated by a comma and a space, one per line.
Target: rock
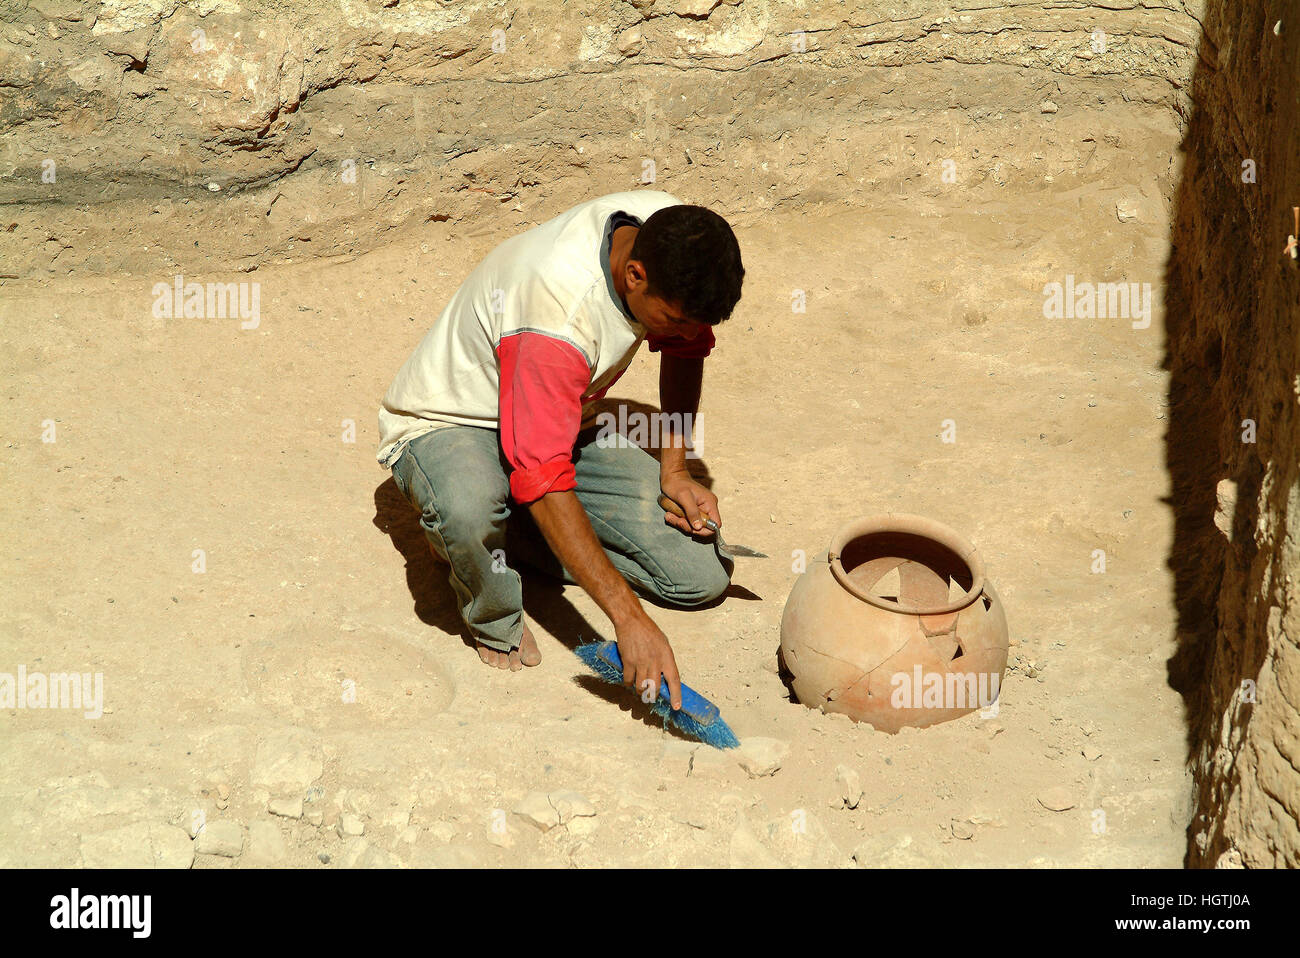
1225, 509
801, 841
266, 844
746, 851
286, 807
1091, 753
443, 831
359, 853
1056, 800
350, 825
571, 805
898, 850
290, 760
850, 785
1230, 859
1126, 210
962, 830
631, 42
500, 836
1047, 106
224, 838
315, 817
761, 756
536, 809
141, 845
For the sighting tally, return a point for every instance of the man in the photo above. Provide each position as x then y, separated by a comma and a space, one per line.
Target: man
488, 426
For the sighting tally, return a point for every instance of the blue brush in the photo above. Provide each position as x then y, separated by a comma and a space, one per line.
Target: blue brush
698, 717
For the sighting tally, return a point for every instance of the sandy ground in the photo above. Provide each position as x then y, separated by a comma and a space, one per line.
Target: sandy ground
223, 688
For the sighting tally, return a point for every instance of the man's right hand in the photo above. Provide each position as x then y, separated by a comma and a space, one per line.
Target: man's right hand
646, 656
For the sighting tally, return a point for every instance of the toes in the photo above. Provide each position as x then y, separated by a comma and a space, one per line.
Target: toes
515, 663
486, 655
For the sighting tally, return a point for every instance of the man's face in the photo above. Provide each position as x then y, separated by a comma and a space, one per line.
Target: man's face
659, 316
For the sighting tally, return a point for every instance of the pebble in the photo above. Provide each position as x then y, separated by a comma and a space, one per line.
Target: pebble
536, 809
286, 807
1047, 107
962, 830
761, 756
323, 858
1056, 799
850, 785
1091, 753
350, 825
225, 839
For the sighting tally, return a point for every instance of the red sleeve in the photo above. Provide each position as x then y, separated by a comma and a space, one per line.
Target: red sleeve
696, 348
540, 408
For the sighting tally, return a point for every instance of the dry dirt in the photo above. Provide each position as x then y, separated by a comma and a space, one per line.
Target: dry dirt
223, 689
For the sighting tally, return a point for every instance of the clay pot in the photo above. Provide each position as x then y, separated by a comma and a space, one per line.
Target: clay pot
895, 624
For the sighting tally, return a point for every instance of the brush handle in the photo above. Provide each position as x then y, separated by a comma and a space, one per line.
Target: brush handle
693, 703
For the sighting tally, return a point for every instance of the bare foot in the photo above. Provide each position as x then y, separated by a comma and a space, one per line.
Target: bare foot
527, 654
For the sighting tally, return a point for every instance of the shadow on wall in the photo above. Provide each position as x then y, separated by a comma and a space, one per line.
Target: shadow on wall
1228, 320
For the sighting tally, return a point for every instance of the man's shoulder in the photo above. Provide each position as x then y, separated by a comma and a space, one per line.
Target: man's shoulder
640, 203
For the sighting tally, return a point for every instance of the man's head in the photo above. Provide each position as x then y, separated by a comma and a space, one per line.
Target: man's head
684, 271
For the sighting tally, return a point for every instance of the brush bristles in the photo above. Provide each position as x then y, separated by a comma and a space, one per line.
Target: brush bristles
717, 733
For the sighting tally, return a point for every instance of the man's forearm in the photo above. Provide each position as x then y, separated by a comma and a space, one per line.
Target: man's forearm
564, 523
679, 396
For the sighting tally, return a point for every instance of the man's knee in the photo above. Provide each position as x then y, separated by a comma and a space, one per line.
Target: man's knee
699, 581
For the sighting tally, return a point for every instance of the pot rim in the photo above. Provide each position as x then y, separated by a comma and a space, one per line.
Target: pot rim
912, 524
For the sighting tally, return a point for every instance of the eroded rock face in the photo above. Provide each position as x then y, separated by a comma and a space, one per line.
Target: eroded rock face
1234, 352
272, 127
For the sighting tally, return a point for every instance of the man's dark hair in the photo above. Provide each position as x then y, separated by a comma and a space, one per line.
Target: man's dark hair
691, 259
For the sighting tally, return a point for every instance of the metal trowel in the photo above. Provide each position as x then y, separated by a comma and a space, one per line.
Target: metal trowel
669, 506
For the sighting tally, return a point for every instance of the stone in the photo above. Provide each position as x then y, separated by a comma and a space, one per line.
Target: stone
1047, 106
571, 805
1056, 799
962, 830
850, 786
359, 853
1091, 753
631, 42
746, 851
289, 759
499, 834
536, 809
350, 825
760, 756
224, 838
140, 845
286, 807
1126, 210
266, 844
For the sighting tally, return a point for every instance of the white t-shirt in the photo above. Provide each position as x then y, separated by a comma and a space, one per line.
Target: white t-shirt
554, 280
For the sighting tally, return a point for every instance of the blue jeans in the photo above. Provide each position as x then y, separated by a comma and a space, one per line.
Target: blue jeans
458, 479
